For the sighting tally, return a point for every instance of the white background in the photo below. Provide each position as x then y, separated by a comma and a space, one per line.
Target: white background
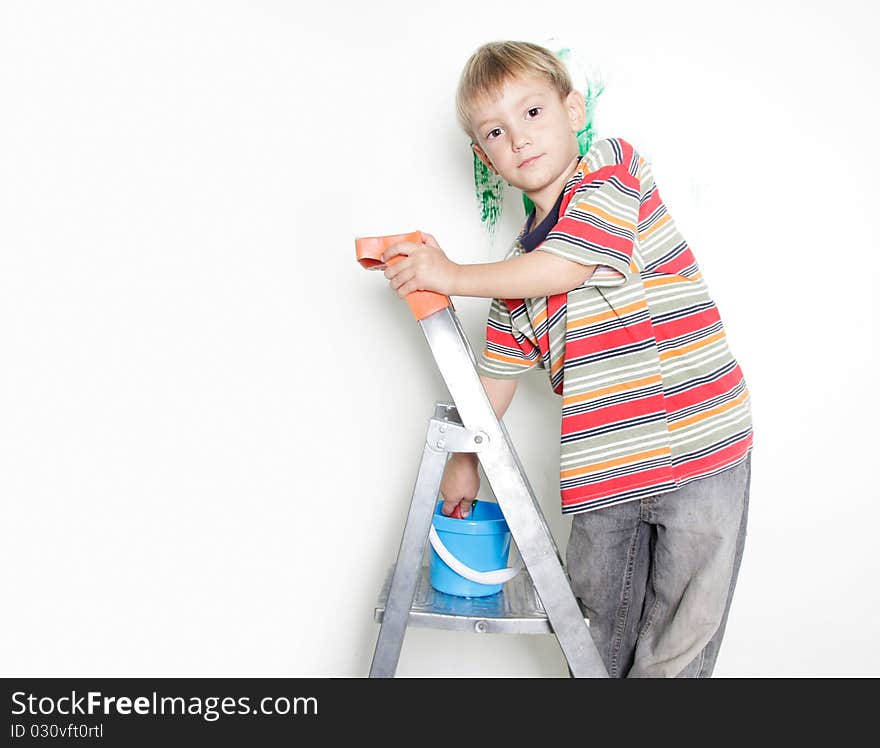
212, 417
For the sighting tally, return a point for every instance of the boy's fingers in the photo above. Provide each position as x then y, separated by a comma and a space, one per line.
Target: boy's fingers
393, 250
398, 267
400, 280
430, 240
401, 248
449, 506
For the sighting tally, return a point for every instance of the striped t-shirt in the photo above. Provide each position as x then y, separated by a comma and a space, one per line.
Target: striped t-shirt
651, 396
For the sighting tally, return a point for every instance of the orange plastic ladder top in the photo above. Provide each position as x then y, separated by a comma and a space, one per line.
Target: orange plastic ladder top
369, 255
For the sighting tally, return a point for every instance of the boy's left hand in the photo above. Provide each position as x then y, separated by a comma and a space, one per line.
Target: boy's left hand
426, 268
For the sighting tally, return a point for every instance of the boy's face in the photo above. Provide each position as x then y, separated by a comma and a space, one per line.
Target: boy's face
527, 134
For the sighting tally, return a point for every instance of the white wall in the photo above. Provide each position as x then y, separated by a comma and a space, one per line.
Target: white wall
212, 417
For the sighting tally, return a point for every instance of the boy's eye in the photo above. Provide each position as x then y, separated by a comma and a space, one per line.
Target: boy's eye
493, 133
534, 111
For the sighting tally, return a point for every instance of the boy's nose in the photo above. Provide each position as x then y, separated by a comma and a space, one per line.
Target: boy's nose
519, 141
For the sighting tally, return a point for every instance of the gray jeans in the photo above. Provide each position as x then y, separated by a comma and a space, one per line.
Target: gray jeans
657, 575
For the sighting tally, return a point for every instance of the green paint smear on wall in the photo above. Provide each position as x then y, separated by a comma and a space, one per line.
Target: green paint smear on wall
490, 189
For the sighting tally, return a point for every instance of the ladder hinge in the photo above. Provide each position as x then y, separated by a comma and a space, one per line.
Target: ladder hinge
451, 437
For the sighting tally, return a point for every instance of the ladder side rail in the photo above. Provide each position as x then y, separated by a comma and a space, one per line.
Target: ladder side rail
407, 567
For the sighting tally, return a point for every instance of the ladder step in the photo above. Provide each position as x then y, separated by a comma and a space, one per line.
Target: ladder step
516, 609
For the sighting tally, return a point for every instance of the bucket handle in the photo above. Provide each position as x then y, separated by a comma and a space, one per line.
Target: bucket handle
499, 576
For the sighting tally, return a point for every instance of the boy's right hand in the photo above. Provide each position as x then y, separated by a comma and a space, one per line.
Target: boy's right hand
460, 484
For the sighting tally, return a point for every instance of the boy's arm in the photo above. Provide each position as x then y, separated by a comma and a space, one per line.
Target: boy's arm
461, 479
500, 393
523, 277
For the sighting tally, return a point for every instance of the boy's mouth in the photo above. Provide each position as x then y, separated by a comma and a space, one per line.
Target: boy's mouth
529, 161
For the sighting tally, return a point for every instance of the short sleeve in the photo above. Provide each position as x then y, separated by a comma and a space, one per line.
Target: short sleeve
507, 353
599, 226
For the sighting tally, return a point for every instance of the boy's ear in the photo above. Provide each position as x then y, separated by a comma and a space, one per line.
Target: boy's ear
576, 106
481, 154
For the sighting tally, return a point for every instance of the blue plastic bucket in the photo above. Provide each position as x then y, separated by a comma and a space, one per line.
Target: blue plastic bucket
481, 542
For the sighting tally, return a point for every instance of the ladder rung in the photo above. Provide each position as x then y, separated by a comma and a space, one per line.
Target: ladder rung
516, 609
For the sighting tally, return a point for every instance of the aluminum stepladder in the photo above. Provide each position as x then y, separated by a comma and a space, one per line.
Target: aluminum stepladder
539, 599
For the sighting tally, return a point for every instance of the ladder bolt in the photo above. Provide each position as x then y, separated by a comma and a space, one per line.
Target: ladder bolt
478, 439
481, 627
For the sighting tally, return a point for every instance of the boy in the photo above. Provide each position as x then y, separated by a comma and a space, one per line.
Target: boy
601, 290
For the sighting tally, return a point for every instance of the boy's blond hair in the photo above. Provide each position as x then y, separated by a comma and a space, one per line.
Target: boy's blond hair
496, 62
